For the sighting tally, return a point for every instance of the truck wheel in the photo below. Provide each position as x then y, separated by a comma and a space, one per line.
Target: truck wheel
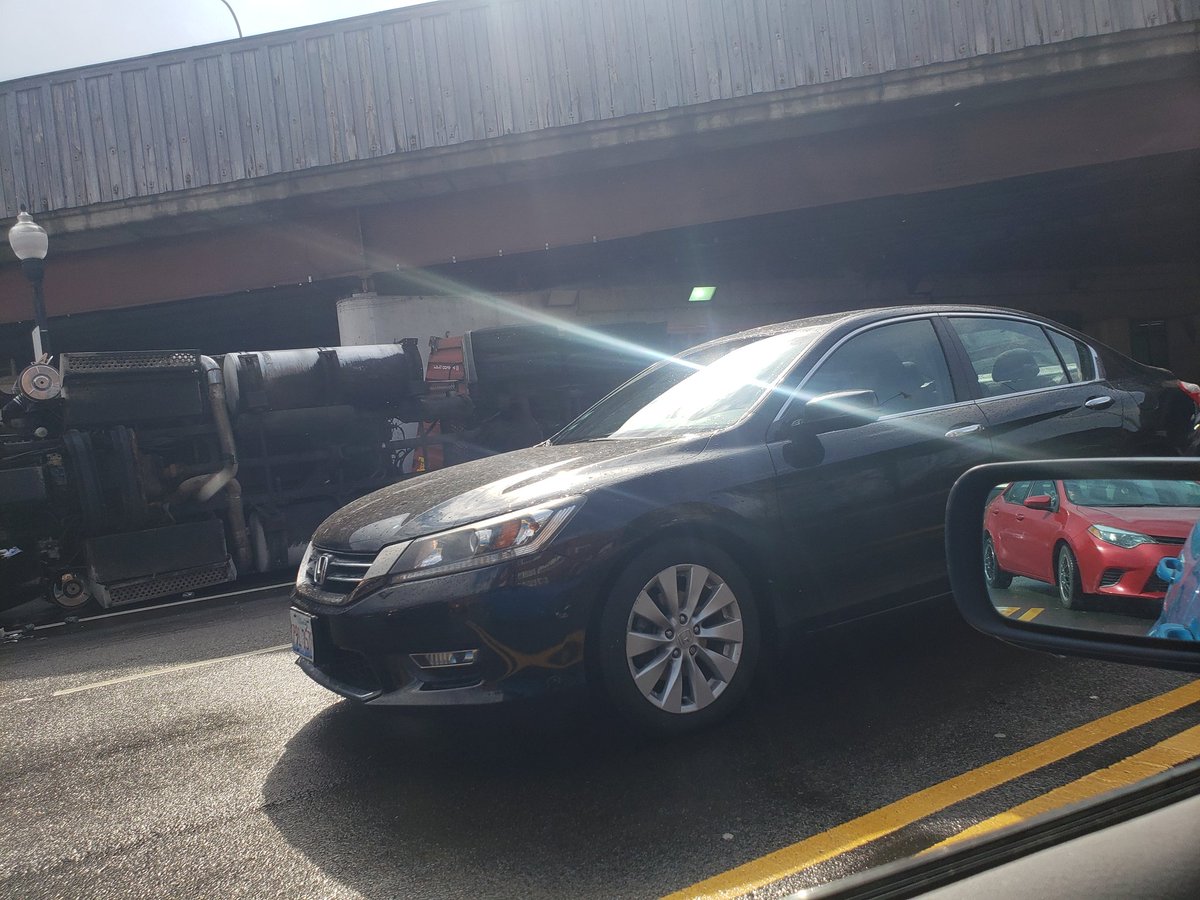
69, 592
679, 638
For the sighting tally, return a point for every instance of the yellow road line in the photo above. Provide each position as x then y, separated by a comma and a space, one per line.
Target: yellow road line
1030, 614
1007, 610
155, 672
887, 819
1151, 761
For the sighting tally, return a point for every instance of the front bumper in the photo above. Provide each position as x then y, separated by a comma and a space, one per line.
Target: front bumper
1108, 570
526, 619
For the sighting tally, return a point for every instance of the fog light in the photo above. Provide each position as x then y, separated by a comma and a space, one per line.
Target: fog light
445, 660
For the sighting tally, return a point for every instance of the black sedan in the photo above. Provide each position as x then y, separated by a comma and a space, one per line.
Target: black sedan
659, 545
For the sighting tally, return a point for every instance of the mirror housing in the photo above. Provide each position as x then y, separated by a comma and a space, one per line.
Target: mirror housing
1169, 569
1040, 501
964, 558
837, 411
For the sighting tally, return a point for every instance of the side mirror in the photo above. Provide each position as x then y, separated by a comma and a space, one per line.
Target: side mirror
1099, 598
1040, 501
837, 411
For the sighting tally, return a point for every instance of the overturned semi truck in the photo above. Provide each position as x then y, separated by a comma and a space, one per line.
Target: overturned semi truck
133, 475
127, 476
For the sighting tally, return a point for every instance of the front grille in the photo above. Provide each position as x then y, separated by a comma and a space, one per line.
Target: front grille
343, 571
1155, 585
1111, 577
1169, 540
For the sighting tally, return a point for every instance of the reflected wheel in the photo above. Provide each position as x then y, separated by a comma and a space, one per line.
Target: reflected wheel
992, 573
1070, 587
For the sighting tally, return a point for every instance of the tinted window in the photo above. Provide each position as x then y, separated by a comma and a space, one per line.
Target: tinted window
902, 363
1009, 356
1077, 356
1017, 492
1133, 492
1043, 489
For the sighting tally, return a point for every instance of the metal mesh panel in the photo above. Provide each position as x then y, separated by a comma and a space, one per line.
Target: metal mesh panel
175, 583
130, 360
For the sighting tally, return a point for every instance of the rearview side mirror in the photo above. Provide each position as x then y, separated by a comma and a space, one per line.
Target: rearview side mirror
837, 411
1122, 583
1041, 501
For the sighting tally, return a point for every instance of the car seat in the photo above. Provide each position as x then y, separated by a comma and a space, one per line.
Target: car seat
1015, 370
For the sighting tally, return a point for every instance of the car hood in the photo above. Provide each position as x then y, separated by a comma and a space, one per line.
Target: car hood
490, 487
1162, 521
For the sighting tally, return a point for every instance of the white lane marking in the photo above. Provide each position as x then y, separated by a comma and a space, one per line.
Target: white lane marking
156, 672
130, 612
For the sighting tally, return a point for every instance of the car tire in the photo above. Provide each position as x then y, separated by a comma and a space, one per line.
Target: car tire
671, 662
1067, 580
992, 573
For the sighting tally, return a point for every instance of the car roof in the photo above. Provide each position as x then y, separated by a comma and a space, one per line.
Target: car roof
857, 317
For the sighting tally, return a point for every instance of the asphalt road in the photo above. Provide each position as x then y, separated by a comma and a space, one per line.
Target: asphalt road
138, 759
1036, 600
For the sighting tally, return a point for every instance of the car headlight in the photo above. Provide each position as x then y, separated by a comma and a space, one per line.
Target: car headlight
1120, 537
302, 572
483, 543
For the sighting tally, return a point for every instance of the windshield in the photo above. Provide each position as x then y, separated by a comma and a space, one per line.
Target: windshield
706, 390
1132, 492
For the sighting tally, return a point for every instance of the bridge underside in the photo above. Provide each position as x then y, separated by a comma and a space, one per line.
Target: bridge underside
1095, 246
1079, 201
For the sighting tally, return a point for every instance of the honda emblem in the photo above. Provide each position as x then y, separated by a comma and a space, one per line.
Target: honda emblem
320, 568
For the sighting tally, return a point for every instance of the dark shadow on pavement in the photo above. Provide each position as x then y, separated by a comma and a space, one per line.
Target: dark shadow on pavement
554, 800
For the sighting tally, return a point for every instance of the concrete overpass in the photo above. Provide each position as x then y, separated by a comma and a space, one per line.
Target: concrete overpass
593, 160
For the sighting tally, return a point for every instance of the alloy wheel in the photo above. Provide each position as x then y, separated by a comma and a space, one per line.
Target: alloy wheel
1066, 578
684, 638
989, 561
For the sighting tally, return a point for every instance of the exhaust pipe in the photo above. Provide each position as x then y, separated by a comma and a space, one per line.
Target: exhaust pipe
205, 487
229, 461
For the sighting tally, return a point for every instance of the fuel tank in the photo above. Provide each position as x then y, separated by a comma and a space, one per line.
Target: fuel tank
368, 377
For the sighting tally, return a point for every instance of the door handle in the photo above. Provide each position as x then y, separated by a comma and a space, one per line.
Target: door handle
964, 431
1099, 403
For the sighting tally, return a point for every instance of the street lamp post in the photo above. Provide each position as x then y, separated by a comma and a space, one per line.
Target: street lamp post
29, 242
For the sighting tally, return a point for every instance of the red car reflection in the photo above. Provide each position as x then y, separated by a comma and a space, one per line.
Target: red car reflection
1088, 538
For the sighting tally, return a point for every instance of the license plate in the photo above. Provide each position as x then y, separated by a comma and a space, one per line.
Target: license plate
302, 638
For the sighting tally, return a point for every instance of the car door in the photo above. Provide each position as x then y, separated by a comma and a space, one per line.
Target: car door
1035, 532
1002, 523
1039, 390
870, 509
